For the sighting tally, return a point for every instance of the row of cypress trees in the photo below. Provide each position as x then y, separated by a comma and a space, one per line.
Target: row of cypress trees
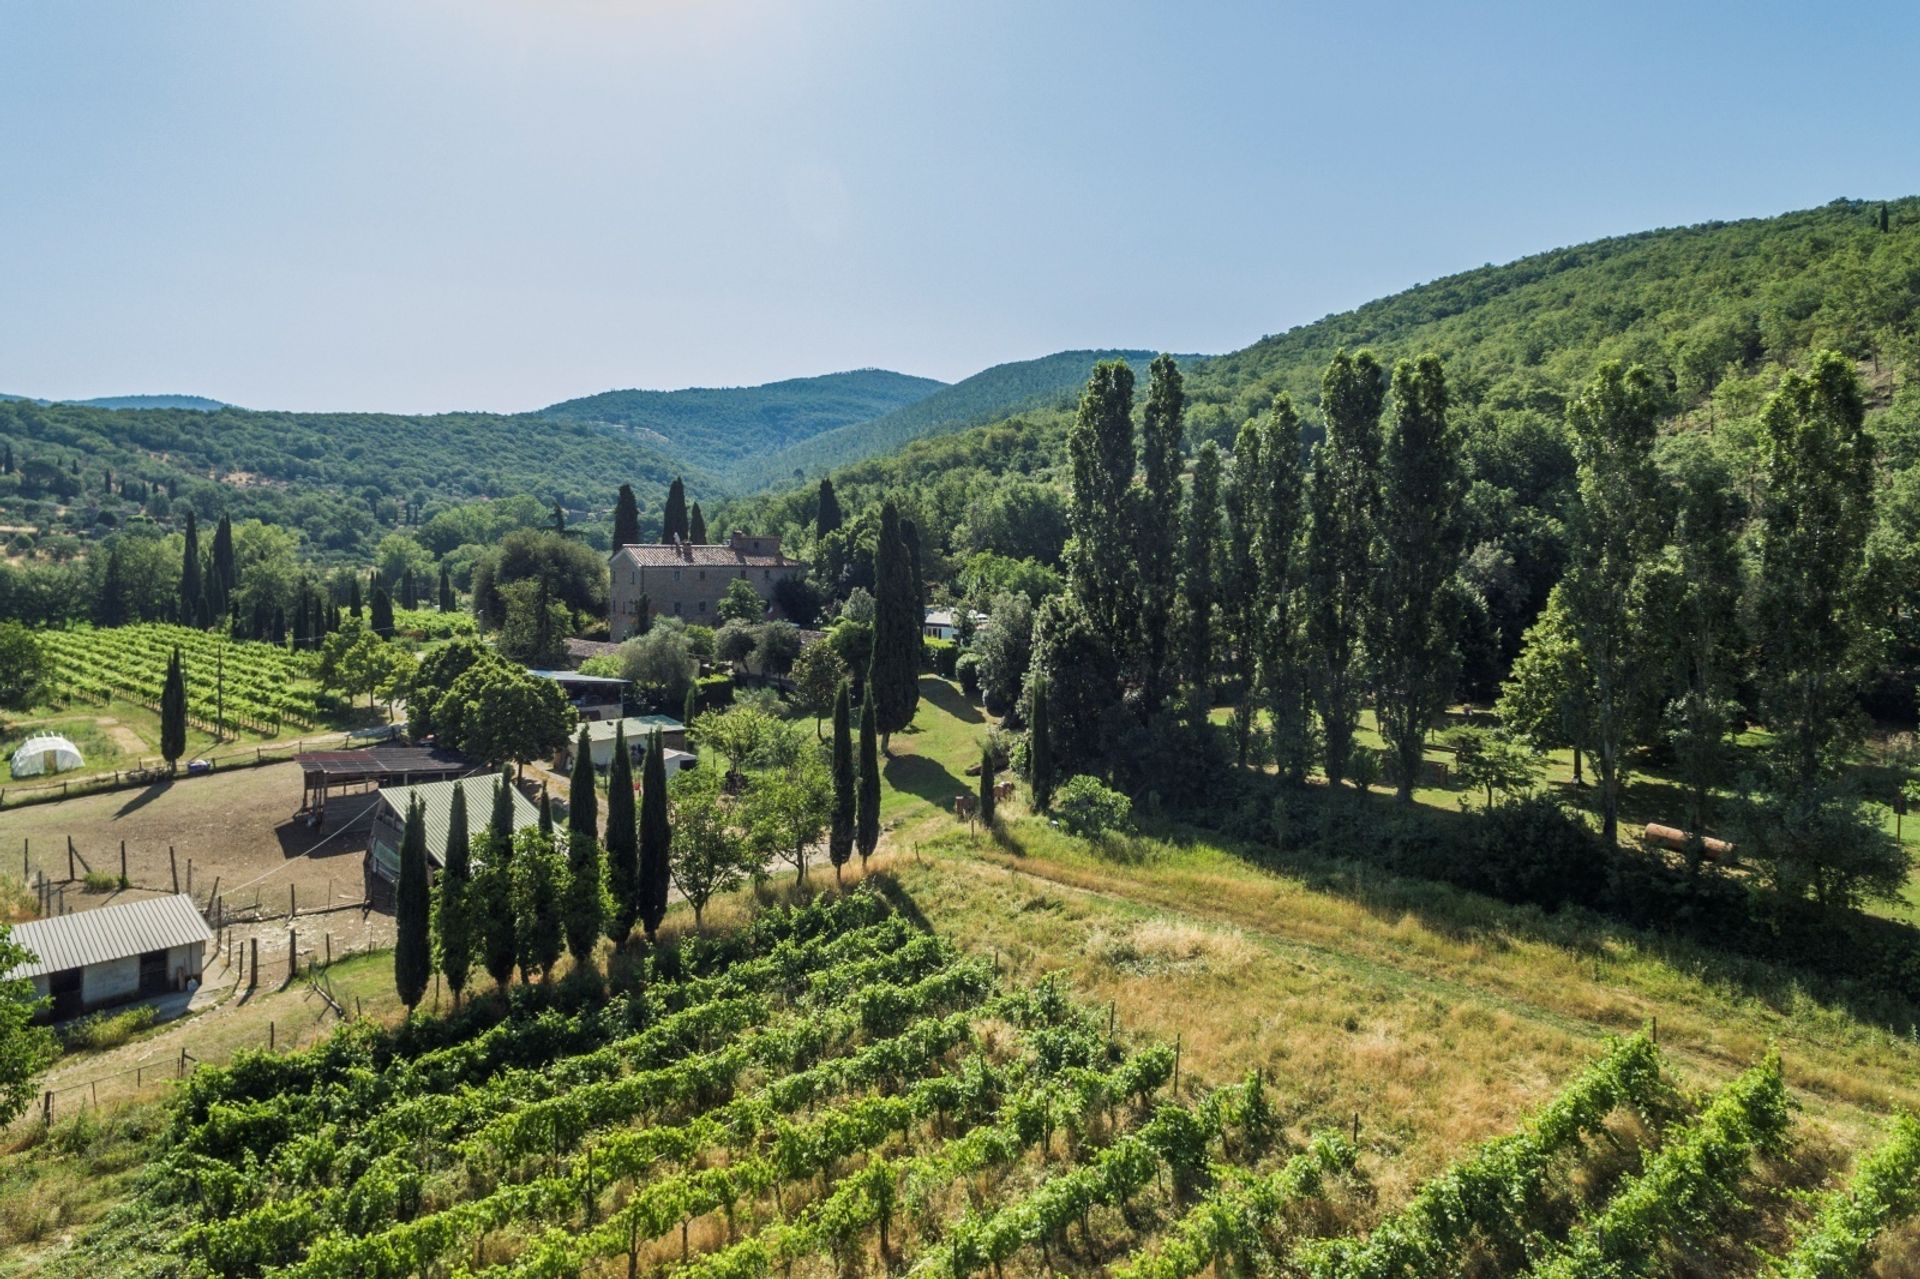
538, 890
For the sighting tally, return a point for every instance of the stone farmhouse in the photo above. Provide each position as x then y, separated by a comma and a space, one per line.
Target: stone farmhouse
687, 580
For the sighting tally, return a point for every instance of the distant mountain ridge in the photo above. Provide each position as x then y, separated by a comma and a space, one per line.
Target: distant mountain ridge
986, 396
198, 403
718, 428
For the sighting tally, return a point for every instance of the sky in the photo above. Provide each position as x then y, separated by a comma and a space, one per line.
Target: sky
424, 205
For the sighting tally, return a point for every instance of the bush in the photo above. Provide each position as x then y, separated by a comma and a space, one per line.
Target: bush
1090, 809
711, 692
106, 1030
100, 881
966, 668
941, 655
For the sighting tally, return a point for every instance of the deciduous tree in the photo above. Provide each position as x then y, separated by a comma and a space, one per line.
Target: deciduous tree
1156, 519
1343, 503
1200, 545
1411, 642
1283, 658
1100, 563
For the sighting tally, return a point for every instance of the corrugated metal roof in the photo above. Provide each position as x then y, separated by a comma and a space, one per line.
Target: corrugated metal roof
638, 726
109, 933
436, 802
575, 677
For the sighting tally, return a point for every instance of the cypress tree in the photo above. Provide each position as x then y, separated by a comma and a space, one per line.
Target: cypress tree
893, 675
692, 706
173, 712
584, 898
867, 817
446, 590
1415, 610
697, 526
1040, 748
626, 519
910, 538
452, 918
225, 570
380, 613
827, 517
986, 784
1343, 504
559, 518
643, 614
583, 799
539, 885
546, 812
623, 848
656, 837
354, 605
673, 520
412, 949
1156, 518
409, 590
500, 820
1200, 540
840, 830
191, 589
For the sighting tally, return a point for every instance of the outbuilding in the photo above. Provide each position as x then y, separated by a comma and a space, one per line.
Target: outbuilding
594, 697
96, 958
47, 753
639, 728
436, 804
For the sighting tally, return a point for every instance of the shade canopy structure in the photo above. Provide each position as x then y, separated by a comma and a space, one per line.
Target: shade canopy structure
46, 754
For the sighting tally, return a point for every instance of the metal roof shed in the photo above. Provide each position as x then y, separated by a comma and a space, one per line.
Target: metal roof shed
92, 958
436, 805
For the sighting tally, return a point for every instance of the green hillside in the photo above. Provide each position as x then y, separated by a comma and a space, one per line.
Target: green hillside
715, 428
135, 402
1717, 310
1051, 381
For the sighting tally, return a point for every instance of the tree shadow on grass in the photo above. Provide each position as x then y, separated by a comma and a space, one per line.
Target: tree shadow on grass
146, 796
926, 778
949, 700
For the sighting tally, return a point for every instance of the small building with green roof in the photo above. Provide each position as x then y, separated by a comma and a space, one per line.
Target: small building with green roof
436, 802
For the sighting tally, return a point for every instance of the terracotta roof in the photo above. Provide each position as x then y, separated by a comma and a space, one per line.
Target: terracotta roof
684, 555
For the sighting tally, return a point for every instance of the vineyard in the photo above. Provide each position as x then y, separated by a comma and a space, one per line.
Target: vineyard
260, 687
831, 1090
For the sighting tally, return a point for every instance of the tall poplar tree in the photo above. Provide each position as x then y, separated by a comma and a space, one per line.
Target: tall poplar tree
453, 923
1240, 595
1410, 643
412, 946
626, 518
1816, 511
1156, 517
1343, 504
840, 831
866, 835
827, 516
1283, 667
1615, 536
192, 590
656, 837
673, 520
1100, 553
1040, 747
1199, 546
622, 843
893, 675
173, 712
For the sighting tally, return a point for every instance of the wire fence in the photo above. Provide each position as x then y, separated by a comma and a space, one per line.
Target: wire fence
147, 772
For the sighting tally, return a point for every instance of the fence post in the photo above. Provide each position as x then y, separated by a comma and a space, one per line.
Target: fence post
26, 859
173, 865
123, 863
70, 874
293, 900
293, 955
270, 1036
329, 950
189, 876
253, 968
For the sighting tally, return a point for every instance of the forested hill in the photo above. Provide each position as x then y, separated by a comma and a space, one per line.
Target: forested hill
715, 428
1717, 311
200, 402
990, 394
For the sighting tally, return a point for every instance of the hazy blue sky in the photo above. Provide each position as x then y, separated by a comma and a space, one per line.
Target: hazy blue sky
497, 204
